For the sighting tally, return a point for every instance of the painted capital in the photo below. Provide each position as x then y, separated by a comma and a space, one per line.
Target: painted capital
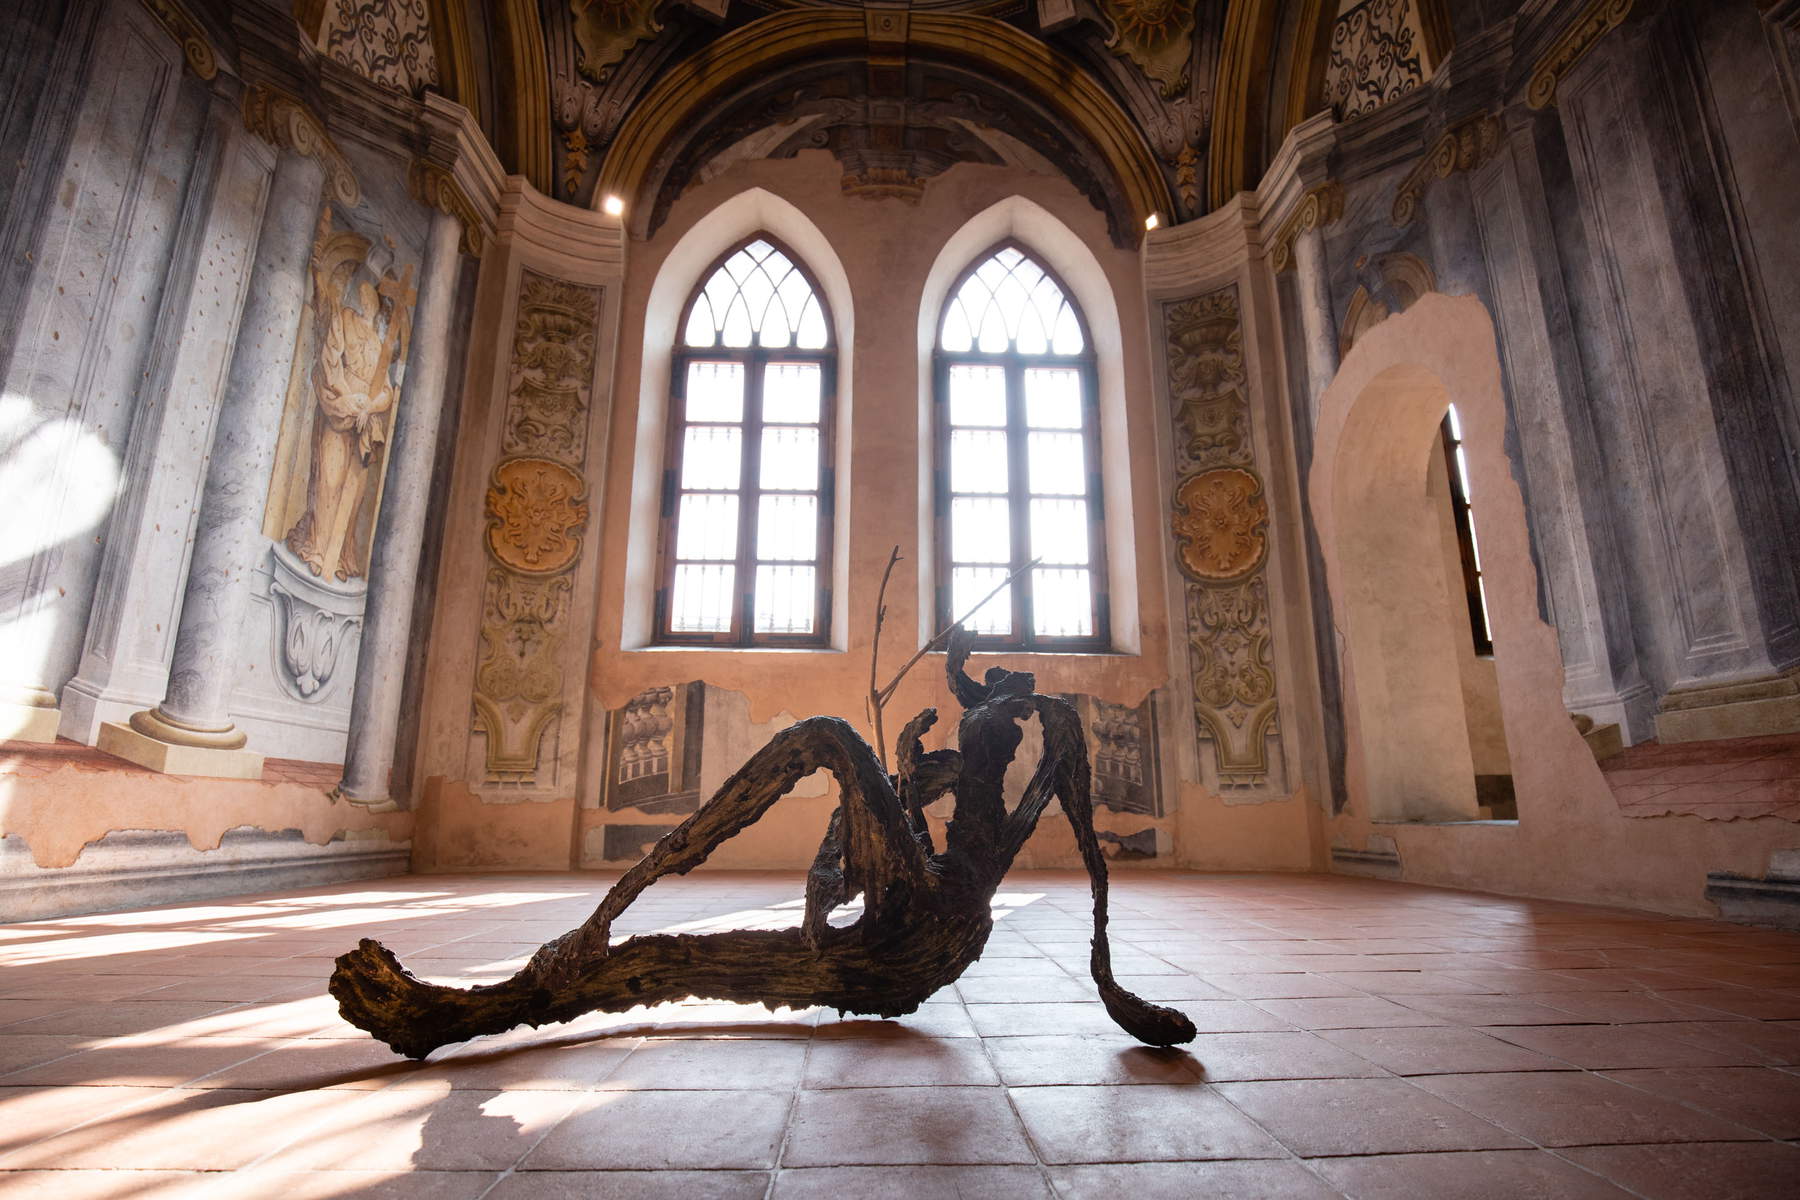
285, 122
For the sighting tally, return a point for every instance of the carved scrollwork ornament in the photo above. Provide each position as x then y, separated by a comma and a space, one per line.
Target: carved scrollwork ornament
1320, 207
1463, 147
435, 187
285, 122
195, 49
1596, 21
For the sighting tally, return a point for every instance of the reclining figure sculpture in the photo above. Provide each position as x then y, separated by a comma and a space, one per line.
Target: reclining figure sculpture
925, 918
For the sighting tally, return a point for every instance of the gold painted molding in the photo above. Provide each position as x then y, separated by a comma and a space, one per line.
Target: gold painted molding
195, 48
1463, 147
436, 188
1317, 209
687, 90
522, 94
284, 121
1243, 75
1598, 19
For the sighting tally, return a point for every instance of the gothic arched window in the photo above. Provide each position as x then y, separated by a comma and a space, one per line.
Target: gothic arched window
1018, 460
747, 485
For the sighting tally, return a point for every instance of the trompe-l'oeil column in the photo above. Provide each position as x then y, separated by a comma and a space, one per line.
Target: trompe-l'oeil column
394, 567
191, 731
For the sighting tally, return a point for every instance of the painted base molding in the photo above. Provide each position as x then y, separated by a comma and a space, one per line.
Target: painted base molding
28, 723
129, 744
1745, 708
135, 868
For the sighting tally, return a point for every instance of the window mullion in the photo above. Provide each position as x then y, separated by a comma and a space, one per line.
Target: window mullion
750, 482
1018, 500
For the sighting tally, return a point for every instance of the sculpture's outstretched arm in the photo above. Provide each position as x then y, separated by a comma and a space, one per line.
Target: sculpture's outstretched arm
1065, 746
576, 972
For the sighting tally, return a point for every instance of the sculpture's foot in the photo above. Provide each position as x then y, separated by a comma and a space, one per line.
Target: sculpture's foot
1152, 1024
374, 992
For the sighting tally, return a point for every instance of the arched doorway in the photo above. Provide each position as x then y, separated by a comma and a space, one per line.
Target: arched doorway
1410, 449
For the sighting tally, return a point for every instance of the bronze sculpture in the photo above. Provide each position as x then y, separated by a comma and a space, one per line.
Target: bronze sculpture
926, 913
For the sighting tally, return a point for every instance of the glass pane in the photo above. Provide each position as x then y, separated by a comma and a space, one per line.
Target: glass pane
995, 336
712, 457
715, 391
978, 460
1053, 398
787, 527
791, 392
977, 395
1067, 339
970, 584
1462, 474
955, 334
707, 527
980, 530
1487, 627
701, 330
785, 599
702, 598
790, 458
794, 294
813, 334
1059, 531
759, 289
1062, 603
1057, 465
737, 330
1455, 425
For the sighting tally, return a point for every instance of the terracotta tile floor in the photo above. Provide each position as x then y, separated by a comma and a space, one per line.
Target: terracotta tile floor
1359, 1038
1721, 781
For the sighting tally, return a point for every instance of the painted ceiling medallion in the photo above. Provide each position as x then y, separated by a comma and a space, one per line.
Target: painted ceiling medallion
537, 510
1157, 36
1221, 524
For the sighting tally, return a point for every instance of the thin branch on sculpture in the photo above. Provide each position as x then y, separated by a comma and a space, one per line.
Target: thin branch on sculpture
875, 702
937, 639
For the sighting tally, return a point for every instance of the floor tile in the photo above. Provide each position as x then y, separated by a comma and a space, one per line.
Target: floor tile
1469, 1175
1363, 1012
1758, 1171
1572, 1108
1296, 1055
1760, 1098
1596, 1047
1089, 1060
1349, 1116
946, 1125
631, 1185
1267, 1180
912, 1183
1447, 1050
653, 1130
896, 1062
1139, 1124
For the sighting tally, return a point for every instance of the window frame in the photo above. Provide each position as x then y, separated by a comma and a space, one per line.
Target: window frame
742, 634
1480, 626
1023, 639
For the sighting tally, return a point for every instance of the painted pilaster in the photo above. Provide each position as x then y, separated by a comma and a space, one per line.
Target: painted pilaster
394, 570
89, 271
131, 632
191, 731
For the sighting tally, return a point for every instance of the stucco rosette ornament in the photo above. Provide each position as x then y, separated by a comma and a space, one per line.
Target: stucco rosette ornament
1221, 524
537, 510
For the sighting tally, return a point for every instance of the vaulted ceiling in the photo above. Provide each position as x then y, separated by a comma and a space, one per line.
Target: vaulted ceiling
1147, 106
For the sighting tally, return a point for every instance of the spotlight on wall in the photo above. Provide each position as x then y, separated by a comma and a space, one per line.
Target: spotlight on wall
612, 206
1152, 221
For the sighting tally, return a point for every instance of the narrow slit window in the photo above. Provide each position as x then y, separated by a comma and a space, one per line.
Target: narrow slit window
1456, 467
747, 488
1018, 475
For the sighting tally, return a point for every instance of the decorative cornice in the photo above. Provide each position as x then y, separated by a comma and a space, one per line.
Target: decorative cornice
200, 56
1598, 19
1318, 208
285, 122
1464, 147
435, 187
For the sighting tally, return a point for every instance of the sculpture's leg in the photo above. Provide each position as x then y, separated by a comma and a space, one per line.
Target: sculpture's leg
1151, 1023
377, 994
